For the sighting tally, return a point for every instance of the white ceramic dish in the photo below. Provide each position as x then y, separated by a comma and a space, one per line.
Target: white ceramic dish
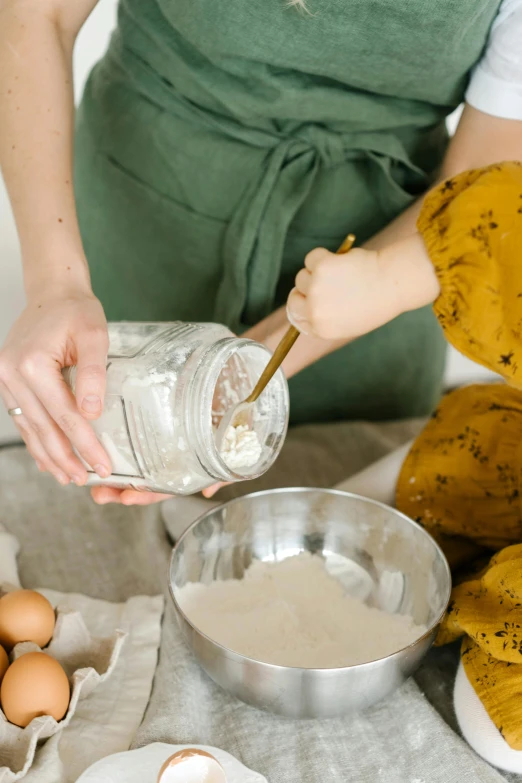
143, 765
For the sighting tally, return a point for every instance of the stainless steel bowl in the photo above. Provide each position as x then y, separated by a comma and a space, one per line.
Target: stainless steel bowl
378, 553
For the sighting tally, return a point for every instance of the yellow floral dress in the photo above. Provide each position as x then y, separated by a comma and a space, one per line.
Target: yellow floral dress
462, 479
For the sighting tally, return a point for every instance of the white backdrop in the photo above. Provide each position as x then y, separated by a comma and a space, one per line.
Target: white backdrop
90, 46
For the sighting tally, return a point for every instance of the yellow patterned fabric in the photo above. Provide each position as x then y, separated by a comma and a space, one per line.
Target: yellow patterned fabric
488, 611
472, 228
462, 482
462, 478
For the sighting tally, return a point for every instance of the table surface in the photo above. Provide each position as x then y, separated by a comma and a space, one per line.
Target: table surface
70, 544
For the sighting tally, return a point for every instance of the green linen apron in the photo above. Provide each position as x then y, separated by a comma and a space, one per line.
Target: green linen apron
218, 142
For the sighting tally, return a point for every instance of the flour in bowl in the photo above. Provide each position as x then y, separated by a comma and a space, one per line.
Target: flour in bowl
293, 613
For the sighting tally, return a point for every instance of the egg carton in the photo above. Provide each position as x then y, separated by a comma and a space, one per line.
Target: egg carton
87, 660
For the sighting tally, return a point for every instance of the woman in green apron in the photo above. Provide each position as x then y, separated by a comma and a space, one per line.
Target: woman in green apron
216, 145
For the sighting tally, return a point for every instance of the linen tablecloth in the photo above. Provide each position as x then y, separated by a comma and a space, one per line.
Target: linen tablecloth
71, 545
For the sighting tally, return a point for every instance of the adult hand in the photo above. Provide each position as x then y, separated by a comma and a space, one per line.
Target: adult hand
134, 497
127, 497
58, 328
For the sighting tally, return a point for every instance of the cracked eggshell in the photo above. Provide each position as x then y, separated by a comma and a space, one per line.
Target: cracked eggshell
192, 766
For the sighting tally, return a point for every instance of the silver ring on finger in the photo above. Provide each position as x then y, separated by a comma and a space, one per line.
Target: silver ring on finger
15, 411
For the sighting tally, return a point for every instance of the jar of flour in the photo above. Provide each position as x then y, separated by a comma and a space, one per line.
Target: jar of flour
168, 385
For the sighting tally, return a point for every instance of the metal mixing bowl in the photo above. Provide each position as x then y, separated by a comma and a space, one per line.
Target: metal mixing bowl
378, 554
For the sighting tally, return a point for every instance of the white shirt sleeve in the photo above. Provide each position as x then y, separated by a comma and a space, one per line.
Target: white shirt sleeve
496, 82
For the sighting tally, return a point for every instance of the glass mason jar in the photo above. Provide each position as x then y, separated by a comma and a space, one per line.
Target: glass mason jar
168, 385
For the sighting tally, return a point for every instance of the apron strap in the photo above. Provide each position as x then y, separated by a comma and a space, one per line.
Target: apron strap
254, 241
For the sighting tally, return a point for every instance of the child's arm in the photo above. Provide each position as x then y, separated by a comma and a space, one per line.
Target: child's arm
480, 140
466, 259
344, 297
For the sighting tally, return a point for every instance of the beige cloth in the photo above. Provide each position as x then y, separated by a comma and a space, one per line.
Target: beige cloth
69, 544
109, 652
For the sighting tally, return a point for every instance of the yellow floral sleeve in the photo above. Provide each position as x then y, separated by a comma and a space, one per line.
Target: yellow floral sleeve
472, 228
462, 482
462, 477
487, 611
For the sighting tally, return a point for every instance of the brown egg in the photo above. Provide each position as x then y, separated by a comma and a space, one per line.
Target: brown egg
34, 685
191, 766
25, 616
4, 663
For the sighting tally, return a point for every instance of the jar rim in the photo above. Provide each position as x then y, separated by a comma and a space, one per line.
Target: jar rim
201, 390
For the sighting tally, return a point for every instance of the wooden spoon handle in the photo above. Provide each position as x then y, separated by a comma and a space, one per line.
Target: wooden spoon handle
287, 341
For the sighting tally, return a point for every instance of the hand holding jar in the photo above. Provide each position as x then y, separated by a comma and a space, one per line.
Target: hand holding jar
60, 326
167, 387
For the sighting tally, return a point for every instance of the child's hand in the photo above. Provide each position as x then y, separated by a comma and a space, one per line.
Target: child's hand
341, 296
346, 296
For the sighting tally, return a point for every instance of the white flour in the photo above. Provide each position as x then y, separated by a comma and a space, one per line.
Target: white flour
293, 613
240, 447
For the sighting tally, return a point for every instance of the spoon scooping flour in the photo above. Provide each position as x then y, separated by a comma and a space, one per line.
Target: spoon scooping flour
240, 447
294, 613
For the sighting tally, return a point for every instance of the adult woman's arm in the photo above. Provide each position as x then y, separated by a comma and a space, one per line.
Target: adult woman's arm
63, 322
480, 139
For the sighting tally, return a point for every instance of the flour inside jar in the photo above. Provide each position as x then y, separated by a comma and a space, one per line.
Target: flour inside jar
158, 422
240, 447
